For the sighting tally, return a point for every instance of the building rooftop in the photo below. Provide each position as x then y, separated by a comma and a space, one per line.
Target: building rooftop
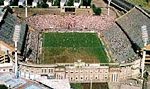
20, 83
55, 83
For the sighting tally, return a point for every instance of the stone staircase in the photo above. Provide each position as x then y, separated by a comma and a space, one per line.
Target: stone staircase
4, 58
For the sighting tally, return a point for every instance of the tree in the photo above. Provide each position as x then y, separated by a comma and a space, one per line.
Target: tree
96, 10
56, 3
44, 1
93, 7
9, 9
86, 2
70, 3
29, 2
76, 0
1, 2
89, 2
42, 5
148, 1
14, 3
3, 87
145, 75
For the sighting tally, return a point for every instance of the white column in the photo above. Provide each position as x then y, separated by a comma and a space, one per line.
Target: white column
143, 62
145, 39
108, 7
91, 84
16, 61
26, 12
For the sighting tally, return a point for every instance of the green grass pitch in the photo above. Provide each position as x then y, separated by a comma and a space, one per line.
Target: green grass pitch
72, 46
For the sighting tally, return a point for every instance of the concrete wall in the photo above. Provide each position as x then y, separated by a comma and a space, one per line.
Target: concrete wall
82, 74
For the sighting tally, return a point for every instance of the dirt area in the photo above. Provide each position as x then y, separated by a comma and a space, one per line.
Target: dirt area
99, 3
20, 12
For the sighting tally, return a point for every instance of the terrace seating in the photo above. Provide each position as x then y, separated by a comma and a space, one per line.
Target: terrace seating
121, 37
32, 44
69, 22
131, 23
118, 43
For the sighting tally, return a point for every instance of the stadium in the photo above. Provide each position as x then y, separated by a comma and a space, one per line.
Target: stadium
70, 47
117, 42
78, 48
67, 39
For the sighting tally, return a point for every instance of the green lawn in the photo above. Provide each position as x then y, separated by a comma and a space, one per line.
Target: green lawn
88, 85
70, 47
142, 3
76, 85
3, 87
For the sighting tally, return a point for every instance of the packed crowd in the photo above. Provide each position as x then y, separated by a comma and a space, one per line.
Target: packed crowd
70, 22
116, 40
119, 44
62, 23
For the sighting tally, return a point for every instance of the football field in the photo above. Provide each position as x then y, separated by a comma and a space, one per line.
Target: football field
72, 46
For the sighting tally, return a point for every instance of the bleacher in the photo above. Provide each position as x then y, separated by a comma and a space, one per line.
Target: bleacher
124, 38
118, 44
11, 82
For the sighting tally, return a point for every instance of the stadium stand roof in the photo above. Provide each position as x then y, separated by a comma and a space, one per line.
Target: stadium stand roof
7, 27
124, 38
122, 4
131, 23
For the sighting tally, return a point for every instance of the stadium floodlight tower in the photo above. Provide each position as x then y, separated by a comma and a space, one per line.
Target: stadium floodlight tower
26, 7
109, 1
145, 39
16, 37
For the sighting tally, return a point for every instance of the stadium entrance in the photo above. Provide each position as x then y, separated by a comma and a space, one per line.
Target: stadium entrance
68, 9
147, 58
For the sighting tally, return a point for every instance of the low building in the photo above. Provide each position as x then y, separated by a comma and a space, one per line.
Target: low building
83, 73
